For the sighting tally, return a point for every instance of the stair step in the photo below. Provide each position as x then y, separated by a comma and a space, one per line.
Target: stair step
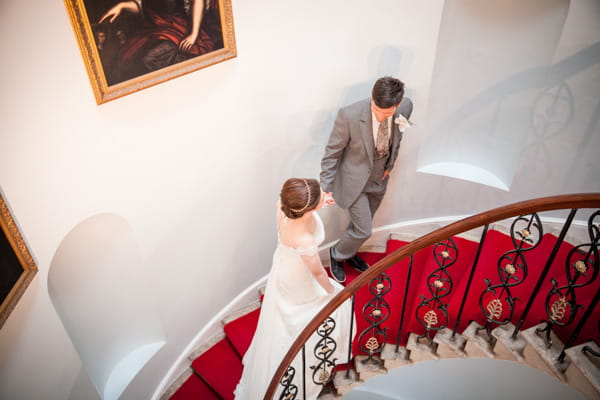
368, 369
393, 359
261, 292
240, 330
221, 367
548, 355
584, 371
516, 346
478, 344
450, 346
344, 381
194, 388
421, 350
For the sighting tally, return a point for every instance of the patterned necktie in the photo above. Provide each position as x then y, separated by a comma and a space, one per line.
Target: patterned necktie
383, 139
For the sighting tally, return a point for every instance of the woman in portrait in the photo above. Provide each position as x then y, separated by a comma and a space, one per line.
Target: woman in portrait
171, 31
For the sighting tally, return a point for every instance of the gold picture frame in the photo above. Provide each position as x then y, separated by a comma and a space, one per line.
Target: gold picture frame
128, 46
17, 267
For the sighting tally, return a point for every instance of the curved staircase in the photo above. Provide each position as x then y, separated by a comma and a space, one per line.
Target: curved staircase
488, 292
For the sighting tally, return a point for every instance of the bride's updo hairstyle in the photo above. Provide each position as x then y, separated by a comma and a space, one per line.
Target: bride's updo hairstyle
299, 196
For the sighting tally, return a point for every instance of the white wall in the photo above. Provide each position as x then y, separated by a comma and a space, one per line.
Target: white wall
98, 260
202, 217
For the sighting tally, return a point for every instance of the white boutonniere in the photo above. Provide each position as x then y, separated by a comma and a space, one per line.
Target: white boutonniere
402, 122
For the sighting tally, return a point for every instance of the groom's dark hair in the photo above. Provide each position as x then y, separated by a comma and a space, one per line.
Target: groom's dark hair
387, 92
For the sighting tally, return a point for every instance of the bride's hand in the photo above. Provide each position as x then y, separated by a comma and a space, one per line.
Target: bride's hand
329, 200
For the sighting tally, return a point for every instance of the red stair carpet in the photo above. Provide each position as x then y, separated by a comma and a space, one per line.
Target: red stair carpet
241, 331
194, 388
220, 367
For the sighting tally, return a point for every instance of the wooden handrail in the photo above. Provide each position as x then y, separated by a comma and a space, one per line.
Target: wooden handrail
567, 201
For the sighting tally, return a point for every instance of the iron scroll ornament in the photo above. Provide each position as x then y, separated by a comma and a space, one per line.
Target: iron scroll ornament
324, 350
439, 284
375, 312
582, 266
526, 234
289, 389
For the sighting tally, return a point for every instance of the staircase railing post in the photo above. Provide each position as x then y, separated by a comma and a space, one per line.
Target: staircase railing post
304, 372
410, 265
350, 338
470, 280
545, 271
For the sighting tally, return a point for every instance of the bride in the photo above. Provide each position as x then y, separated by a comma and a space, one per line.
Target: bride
297, 288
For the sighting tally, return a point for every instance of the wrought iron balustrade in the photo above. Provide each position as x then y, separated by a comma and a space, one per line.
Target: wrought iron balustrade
513, 267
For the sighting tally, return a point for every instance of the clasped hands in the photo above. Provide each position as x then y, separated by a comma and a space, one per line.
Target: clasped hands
329, 200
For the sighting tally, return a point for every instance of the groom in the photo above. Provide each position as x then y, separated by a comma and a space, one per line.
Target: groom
359, 156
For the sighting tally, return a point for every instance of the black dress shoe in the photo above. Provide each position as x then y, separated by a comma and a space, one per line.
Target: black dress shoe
336, 267
358, 263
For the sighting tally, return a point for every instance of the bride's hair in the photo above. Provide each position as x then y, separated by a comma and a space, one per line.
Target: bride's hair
299, 196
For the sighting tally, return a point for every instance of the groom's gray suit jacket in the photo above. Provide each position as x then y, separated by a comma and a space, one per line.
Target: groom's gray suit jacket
348, 160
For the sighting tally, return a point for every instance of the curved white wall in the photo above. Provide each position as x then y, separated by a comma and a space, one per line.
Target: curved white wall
488, 72
203, 219
98, 285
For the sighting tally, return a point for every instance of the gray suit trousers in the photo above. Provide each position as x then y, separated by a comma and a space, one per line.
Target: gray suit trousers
361, 225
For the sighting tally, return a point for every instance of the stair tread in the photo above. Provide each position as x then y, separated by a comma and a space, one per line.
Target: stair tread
220, 367
194, 388
241, 331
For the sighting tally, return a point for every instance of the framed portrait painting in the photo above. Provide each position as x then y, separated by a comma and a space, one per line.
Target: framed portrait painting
17, 267
133, 44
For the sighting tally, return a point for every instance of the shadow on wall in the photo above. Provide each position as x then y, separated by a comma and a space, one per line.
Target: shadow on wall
525, 114
96, 283
382, 61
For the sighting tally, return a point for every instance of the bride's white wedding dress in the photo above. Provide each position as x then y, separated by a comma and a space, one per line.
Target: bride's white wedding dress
292, 298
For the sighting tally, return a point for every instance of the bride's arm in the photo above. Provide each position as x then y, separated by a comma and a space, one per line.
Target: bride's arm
313, 262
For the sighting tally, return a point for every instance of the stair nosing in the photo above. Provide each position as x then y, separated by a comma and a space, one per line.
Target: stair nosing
372, 248
177, 383
207, 345
402, 237
578, 358
241, 312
